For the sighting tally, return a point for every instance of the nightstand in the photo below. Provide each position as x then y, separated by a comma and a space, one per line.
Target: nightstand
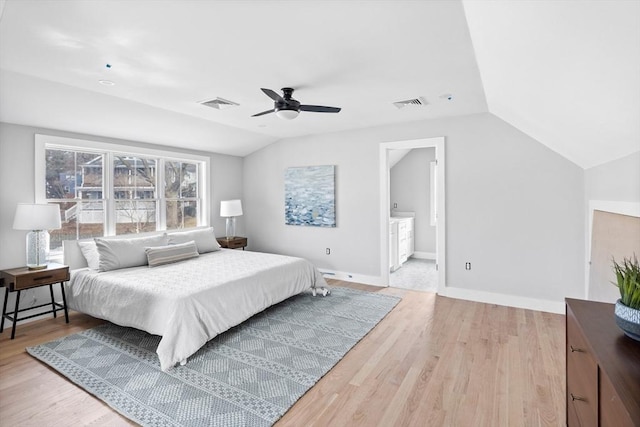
19, 279
233, 243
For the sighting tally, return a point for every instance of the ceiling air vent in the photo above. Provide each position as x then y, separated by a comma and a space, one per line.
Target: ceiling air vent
219, 103
415, 102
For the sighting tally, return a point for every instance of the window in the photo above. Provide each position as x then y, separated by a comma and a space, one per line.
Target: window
134, 191
108, 189
181, 193
74, 180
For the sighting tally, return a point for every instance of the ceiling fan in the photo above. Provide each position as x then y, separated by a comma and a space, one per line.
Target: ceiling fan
288, 108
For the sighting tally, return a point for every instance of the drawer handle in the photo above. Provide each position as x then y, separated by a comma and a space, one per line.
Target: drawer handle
43, 277
574, 397
576, 349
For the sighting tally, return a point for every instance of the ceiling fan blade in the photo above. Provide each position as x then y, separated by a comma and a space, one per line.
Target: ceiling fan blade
319, 109
271, 94
263, 113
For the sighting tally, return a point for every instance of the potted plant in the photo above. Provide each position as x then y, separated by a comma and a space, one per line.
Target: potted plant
627, 308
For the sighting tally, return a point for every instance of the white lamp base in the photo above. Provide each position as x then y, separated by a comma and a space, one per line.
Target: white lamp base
37, 249
231, 227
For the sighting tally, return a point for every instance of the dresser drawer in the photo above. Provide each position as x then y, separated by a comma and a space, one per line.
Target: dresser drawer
582, 377
572, 417
39, 278
612, 410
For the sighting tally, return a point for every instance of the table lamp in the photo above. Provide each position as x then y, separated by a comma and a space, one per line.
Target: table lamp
231, 209
38, 219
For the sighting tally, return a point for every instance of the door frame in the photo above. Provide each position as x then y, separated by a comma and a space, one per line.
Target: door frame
623, 208
385, 203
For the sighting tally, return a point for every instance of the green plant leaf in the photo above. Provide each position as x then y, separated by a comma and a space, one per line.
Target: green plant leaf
628, 281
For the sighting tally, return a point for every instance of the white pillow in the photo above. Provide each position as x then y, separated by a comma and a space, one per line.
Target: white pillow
171, 253
205, 239
125, 253
90, 252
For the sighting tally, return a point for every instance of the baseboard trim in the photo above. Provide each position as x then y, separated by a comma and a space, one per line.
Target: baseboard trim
349, 277
548, 306
462, 293
424, 255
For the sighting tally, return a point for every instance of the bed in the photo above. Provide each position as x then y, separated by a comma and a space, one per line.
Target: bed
190, 301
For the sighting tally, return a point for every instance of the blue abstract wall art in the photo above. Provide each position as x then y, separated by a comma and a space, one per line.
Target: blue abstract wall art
310, 197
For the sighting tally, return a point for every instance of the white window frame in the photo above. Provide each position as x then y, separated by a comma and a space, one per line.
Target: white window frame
44, 142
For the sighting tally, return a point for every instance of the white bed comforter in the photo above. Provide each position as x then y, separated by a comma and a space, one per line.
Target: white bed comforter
190, 302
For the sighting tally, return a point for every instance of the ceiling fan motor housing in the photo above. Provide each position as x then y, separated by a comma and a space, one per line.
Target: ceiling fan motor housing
287, 103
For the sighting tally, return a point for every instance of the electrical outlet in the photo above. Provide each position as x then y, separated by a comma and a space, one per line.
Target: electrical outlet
395, 205
328, 251
467, 266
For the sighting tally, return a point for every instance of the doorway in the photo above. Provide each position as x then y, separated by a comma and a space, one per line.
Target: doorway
413, 267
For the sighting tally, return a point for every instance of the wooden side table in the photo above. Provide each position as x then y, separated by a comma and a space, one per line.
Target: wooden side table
19, 279
233, 243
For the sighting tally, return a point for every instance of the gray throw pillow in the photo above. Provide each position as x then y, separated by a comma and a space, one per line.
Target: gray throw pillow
160, 255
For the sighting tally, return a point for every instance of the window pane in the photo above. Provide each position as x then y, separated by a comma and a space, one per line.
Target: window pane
80, 220
135, 216
134, 177
189, 183
181, 180
172, 179
73, 174
182, 214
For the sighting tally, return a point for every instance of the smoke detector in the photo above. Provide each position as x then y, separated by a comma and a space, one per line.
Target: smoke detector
219, 103
415, 102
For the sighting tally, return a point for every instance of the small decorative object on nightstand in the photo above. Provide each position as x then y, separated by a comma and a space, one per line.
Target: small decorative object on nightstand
233, 243
19, 279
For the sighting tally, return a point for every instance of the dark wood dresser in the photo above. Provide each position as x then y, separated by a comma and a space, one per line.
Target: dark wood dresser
603, 368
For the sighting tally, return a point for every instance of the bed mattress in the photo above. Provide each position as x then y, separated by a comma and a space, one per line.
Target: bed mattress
190, 302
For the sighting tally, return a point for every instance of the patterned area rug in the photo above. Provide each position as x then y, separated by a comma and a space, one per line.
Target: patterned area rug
248, 376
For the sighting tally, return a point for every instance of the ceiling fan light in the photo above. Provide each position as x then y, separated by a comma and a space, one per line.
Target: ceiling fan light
287, 114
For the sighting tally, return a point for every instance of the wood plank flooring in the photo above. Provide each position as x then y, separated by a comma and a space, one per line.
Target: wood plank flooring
433, 361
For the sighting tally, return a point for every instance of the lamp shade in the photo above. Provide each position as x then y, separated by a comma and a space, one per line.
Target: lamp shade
37, 217
230, 208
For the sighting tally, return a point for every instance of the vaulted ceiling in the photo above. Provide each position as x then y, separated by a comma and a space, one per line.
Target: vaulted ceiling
565, 72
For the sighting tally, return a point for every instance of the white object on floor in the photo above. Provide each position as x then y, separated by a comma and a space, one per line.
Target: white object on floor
324, 291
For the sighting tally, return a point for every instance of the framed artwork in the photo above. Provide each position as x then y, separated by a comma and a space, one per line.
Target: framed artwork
309, 196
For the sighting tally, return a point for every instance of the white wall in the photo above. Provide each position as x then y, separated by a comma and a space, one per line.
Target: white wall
17, 185
618, 180
410, 189
515, 209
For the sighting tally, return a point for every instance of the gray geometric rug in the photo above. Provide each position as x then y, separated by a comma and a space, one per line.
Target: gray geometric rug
248, 376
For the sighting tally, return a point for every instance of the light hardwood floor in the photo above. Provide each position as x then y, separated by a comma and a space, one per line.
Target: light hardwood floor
433, 361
